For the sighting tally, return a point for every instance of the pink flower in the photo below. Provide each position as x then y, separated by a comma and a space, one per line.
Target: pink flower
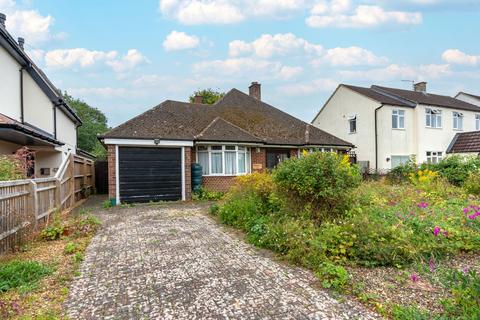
432, 265
445, 233
466, 210
422, 205
436, 231
414, 277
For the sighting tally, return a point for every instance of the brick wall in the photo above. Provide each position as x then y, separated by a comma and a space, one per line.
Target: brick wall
222, 184
188, 173
259, 159
293, 153
111, 172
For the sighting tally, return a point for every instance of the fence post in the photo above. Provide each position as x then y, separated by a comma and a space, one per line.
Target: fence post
34, 202
58, 197
92, 177
72, 180
84, 179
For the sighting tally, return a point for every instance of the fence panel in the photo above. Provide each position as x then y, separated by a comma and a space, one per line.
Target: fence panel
24, 204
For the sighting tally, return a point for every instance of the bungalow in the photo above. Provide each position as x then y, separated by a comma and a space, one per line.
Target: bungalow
150, 156
32, 111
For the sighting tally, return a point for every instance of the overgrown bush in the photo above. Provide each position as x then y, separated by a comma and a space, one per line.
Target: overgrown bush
10, 169
403, 172
319, 182
455, 168
472, 183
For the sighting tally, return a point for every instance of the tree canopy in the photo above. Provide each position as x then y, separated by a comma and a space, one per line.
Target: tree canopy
209, 96
94, 123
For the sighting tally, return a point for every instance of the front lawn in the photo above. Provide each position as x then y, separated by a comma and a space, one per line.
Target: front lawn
408, 247
34, 282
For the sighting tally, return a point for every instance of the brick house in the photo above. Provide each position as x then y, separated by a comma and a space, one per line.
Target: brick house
150, 156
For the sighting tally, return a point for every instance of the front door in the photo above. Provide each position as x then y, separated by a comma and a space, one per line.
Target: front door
275, 156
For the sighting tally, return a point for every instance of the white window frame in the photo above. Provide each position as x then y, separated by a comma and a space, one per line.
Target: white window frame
398, 114
246, 151
433, 115
350, 120
404, 157
477, 121
457, 120
434, 156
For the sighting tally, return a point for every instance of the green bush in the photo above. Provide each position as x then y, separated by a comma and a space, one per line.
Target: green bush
21, 274
402, 172
10, 169
52, 232
319, 181
206, 195
465, 300
70, 248
455, 169
472, 183
333, 276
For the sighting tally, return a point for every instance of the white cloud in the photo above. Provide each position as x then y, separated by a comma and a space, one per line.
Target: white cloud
29, 24
129, 61
270, 45
247, 66
81, 57
400, 72
455, 56
180, 41
349, 57
193, 12
310, 87
341, 14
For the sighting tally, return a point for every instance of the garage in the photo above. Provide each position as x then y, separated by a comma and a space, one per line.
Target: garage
149, 174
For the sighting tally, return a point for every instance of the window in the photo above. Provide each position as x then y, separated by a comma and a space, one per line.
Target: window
434, 156
457, 120
223, 160
352, 123
398, 119
433, 118
399, 160
477, 122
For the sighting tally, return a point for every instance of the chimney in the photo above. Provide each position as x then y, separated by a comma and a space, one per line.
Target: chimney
420, 87
198, 99
21, 42
255, 90
3, 17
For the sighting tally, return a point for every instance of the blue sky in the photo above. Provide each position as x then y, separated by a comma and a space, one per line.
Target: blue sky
125, 57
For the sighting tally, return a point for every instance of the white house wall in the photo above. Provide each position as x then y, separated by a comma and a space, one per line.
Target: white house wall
468, 98
66, 131
38, 109
10, 85
334, 119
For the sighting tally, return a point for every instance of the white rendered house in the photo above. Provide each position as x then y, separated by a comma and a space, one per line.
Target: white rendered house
388, 126
32, 111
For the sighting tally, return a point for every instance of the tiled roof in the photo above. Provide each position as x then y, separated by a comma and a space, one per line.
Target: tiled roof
235, 116
465, 142
380, 97
7, 122
428, 98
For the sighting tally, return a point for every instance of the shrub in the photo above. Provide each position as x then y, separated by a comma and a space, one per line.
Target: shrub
333, 276
258, 183
465, 300
321, 181
455, 168
21, 274
423, 179
472, 183
402, 172
52, 232
107, 204
70, 248
206, 195
10, 169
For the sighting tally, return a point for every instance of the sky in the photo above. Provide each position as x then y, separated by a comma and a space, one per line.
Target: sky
125, 57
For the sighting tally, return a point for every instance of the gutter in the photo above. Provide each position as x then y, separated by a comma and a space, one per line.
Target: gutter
22, 116
376, 137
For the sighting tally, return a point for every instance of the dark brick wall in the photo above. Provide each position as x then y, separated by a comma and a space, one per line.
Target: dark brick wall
259, 159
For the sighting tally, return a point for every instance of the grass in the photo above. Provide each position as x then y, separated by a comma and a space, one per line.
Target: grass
34, 282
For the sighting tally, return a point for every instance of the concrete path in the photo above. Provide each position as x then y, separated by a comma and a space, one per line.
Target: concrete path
174, 262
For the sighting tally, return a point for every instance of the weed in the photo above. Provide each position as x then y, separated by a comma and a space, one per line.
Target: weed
22, 274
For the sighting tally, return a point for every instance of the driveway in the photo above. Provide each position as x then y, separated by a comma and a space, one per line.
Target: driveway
174, 262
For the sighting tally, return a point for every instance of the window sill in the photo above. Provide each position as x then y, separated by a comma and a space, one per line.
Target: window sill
399, 129
439, 128
224, 175
457, 129
352, 132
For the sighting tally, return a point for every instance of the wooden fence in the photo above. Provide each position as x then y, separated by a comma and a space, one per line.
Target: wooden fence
27, 204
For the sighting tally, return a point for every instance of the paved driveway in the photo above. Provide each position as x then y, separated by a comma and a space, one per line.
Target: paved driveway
174, 262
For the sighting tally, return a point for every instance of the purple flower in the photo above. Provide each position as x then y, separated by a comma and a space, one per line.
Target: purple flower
473, 216
466, 270
414, 277
436, 231
466, 210
422, 205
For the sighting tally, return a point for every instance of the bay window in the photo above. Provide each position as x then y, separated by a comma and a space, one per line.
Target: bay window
223, 160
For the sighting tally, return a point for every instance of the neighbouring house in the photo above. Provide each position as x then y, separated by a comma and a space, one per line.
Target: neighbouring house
150, 156
32, 111
388, 126
466, 144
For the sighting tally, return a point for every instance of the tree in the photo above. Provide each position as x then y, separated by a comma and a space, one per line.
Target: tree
94, 123
209, 96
